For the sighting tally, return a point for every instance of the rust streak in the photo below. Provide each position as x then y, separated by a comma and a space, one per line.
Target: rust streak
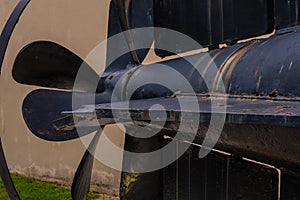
236, 59
212, 60
201, 59
203, 73
224, 66
230, 62
123, 9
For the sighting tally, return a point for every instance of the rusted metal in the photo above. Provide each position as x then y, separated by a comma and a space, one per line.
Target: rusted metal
241, 53
239, 110
262, 91
45, 106
261, 80
249, 122
225, 65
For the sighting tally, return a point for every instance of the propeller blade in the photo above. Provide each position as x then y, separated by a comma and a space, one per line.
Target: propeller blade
82, 178
42, 107
47, 64
125, 15
123, 10
5, 176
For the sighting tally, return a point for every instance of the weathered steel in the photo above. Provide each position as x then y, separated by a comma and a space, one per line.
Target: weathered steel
260, 77
212, 22
42, 107
240, 110
260, 118
139, 14
218, 177
265, 67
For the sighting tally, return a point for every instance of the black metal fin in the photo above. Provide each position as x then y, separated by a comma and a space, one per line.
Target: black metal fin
42, 107
82, 178
47, 64
140, 14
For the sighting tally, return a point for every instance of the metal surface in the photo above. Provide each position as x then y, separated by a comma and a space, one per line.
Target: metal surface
239, 110
260, 77
266, 67
123, 9
42, 107
147, 186
218, 177
212, 22
287, 13
48, 64
290, 186
276, 120
81, 182
139, 14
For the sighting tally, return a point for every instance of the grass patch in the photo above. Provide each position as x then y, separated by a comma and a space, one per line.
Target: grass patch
32, 189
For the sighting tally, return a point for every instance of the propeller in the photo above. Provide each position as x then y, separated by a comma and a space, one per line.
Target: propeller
123, 7
43, 63
50, 65
82, 178
120, 10
42, 107
47, 64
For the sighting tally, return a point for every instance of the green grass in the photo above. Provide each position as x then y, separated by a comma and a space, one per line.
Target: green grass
32, 189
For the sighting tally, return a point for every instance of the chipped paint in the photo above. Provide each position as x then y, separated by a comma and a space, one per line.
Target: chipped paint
236, 59
281, 69
258, 83
290, 66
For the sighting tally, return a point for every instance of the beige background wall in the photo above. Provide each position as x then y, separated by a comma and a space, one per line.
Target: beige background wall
79, 26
